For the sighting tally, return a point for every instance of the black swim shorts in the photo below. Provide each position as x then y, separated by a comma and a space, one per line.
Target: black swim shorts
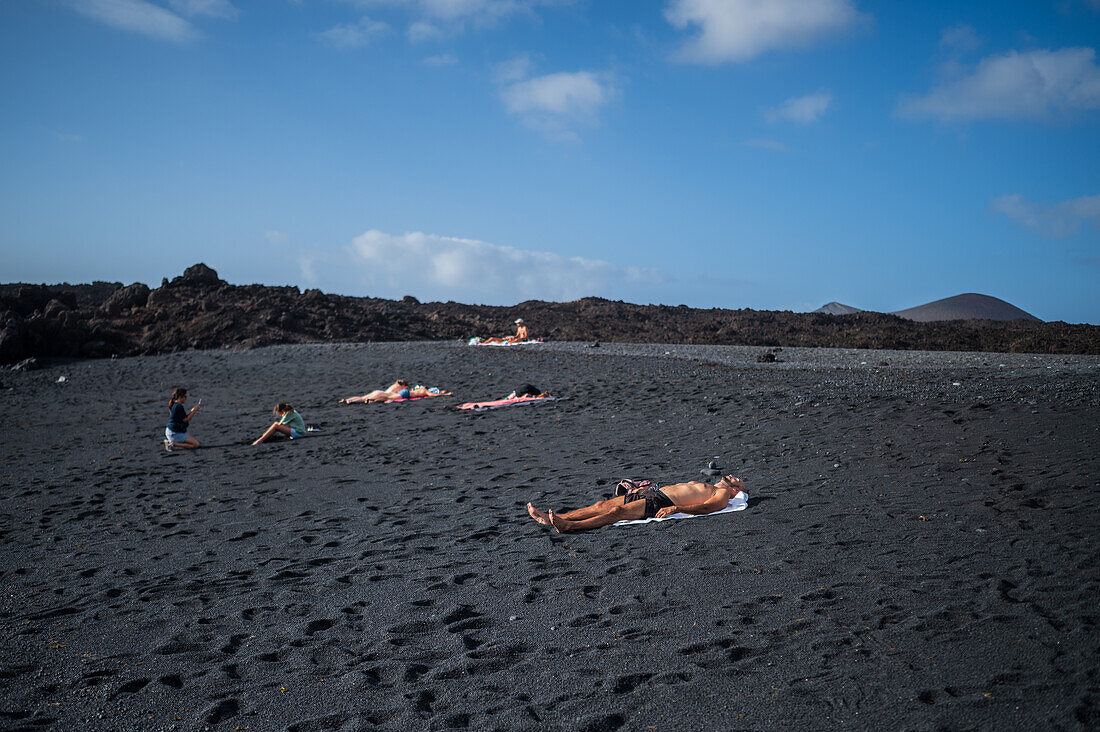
655, 500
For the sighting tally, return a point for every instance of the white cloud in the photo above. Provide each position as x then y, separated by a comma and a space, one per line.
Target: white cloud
513, 69
1034, 84
445, 59
436, 266
478, 9
960, 37
354, 35
307, 265
767, 145
421, 31
740, 30
1053, 220
438, 18
137, 16
556, 102
804, 109
276, 237
210, 8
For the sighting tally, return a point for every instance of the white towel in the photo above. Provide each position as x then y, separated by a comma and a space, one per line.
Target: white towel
738, 503
517, 343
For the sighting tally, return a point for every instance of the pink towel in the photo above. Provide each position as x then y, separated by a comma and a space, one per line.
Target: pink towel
503, 402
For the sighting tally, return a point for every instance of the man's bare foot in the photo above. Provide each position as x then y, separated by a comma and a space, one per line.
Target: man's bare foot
559, 523
538, 515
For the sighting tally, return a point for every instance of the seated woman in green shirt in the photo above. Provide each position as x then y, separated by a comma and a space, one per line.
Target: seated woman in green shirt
290, 424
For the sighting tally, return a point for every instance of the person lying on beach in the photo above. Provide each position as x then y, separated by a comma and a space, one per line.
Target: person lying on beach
179, 422
399, 389
694, 497
520, 336
289, 424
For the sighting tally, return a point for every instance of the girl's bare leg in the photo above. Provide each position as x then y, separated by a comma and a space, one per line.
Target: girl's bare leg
189, 444
271, 431
378, 395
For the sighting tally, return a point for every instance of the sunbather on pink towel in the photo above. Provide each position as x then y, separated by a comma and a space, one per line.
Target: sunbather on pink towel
399, 389
521, 335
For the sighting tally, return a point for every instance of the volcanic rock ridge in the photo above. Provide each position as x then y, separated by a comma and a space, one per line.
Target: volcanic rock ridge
199, 310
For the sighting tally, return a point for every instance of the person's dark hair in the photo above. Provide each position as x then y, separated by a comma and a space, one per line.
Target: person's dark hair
283, 408
176, 394
402, 382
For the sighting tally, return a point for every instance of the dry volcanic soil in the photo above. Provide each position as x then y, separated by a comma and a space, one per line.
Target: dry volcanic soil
919, 550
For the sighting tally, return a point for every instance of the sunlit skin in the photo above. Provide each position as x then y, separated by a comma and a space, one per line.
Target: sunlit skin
275, 429
521, 335
694, 497
378, 395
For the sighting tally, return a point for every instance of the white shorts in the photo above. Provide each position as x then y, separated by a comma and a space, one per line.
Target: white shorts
174, 436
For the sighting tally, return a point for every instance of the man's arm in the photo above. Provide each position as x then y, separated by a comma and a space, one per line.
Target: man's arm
718, 500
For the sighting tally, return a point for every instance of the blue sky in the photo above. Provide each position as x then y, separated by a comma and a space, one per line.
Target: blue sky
718, 153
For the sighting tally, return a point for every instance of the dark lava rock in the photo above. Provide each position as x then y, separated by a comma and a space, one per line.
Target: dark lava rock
27, 364
125, 298
198, 275
26, 299
711, 471
11, 342
199, 310
95, 349
54, 308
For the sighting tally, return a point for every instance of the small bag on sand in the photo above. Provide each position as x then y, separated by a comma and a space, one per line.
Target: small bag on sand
630, 485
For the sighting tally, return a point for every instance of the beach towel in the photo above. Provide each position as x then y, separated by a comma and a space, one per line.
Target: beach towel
477, 342
739, 502
482, 406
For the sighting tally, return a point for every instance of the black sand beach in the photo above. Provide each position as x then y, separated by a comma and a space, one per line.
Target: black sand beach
919, 552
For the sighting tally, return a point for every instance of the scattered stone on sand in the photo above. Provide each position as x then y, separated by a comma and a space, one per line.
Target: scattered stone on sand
27, 364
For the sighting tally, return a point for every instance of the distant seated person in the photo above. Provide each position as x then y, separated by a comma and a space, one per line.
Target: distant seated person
176, 434
520, 336
694, 497
289, 424
399, 389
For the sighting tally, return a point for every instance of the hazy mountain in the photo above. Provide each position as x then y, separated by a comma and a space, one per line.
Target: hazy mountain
969, 306
836, 308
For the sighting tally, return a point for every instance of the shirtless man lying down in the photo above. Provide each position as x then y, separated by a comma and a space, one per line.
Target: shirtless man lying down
521, 335
694, 497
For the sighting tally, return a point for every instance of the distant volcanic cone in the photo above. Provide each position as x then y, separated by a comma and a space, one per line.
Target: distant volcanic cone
969, 306
836, 308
